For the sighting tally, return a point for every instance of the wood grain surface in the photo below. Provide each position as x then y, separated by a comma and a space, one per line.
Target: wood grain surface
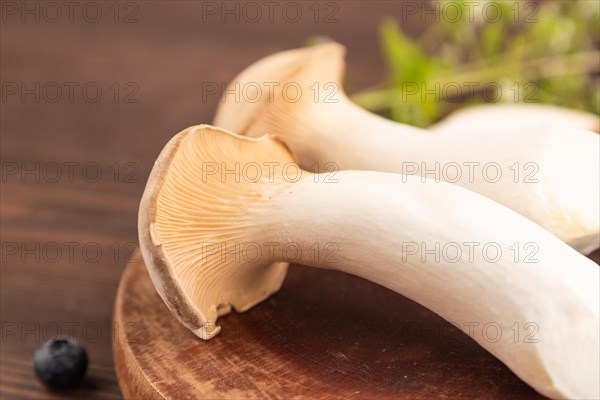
325, 334
167, 52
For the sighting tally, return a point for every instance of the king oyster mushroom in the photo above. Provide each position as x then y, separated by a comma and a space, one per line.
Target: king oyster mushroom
220, 210
478, 119
549, 173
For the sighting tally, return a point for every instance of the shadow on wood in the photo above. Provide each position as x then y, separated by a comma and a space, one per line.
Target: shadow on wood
325, 334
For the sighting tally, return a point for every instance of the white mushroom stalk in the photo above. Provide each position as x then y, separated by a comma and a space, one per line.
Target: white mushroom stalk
222, 215
505, 117
550, 174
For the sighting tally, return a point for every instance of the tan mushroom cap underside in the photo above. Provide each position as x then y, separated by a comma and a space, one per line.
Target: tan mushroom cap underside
209, 192
324, 65
288, 70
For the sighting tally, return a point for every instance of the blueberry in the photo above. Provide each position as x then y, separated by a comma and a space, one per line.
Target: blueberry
60, 363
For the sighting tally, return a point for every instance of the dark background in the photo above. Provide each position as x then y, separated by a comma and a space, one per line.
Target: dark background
159, 53
155, 56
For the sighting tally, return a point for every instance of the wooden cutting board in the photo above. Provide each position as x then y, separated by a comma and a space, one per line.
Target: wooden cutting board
325, 334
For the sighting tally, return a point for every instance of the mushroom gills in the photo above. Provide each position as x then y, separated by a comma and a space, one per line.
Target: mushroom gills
191, 202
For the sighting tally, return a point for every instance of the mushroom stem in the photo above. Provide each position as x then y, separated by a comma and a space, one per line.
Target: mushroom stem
548, 172
507, 117
455, 253
458, 253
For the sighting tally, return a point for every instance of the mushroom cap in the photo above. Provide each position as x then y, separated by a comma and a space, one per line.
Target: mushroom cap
324, 64
198, 212
301, 67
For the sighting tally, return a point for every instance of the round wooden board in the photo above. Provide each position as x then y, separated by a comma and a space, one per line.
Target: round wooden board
324, 335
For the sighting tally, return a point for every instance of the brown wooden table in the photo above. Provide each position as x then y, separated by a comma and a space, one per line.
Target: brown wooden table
74, 165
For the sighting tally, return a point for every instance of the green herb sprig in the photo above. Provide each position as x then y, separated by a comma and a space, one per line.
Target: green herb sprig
548, 56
